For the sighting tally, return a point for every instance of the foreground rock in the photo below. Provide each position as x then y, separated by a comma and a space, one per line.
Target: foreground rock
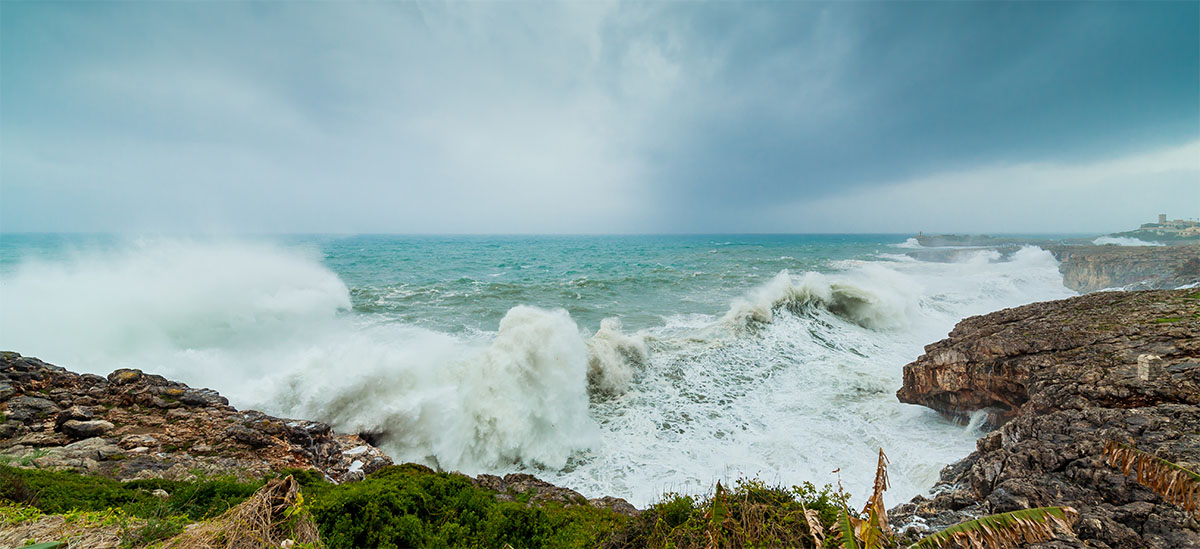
136, 425
133, 425
1062, 378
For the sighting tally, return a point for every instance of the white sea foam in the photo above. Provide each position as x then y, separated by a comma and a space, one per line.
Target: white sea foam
1123, 241
910, 243
810, 388
263, 326
796, 378
612, 357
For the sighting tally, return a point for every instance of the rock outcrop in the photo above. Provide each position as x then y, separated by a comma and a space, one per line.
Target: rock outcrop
137, 425
1092, 268
1060, 379
133, 425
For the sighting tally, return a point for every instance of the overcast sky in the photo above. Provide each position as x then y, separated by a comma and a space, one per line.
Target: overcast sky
597, 117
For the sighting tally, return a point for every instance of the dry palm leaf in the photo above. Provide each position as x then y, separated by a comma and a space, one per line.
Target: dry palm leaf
269, 518
1174, 483
1003, 531
813, 518
875, 508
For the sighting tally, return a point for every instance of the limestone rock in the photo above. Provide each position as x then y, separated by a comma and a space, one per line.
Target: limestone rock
1059, 379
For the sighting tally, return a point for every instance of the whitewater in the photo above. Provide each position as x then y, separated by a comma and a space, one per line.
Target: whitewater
627, 366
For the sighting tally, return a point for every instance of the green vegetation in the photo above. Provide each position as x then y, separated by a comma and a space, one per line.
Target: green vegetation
750, 515
411, 505
58, 492
1167, 319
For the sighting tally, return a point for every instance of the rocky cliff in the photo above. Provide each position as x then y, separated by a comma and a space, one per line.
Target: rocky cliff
1092, 268
133, 425
136, 425
1060, 379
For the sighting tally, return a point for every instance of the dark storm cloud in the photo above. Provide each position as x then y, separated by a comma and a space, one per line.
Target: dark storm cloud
923, 87
580, 117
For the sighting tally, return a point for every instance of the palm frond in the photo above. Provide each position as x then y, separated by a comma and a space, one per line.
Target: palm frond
813, 518
875, 509
847, 529
1175, 484
1003, 531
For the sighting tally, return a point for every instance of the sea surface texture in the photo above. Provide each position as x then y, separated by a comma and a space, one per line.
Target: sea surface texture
614, 365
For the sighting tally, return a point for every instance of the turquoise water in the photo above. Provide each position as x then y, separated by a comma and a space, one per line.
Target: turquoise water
616, 365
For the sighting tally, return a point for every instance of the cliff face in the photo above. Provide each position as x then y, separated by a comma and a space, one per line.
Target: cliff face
1062, 378
1092, 268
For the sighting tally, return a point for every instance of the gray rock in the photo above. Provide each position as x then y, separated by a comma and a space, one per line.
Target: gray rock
85, 429
27, 408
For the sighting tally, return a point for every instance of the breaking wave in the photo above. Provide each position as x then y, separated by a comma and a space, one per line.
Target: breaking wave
1123, 241
795, 377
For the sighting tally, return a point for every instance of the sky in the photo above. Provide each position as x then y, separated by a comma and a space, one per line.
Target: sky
597, 117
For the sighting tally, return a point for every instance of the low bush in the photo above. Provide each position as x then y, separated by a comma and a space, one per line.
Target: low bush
752, 514
413, 506
59, 492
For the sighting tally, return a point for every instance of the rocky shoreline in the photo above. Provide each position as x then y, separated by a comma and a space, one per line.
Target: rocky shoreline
1089, 268
131, 425
1060, 379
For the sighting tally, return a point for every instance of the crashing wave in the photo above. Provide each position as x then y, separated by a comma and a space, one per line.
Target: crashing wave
612, 357
880, 302
1123, 241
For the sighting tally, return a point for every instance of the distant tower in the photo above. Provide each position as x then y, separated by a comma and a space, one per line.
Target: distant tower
1162, 219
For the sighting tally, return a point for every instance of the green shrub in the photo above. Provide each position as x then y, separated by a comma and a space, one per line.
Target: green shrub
58, 492
413, 506
750, 515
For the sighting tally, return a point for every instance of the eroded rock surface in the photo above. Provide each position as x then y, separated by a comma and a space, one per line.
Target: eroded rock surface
1092, 268
1060, 379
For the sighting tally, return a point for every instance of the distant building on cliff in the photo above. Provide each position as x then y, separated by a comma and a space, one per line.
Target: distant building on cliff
1178, 227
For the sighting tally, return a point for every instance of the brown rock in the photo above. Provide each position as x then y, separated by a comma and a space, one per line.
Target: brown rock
1060, 379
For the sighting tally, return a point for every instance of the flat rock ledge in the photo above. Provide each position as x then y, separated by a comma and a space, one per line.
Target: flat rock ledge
1057, 380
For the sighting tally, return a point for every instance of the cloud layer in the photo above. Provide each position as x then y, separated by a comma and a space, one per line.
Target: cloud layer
596, 117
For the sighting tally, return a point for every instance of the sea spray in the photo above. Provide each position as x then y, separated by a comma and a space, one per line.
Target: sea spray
649, 365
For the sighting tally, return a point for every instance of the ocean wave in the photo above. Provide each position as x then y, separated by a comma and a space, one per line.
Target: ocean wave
877, 299
795, 375
1123, 241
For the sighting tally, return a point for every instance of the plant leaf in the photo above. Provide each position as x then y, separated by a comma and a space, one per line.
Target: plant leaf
1005, 530
1175, 484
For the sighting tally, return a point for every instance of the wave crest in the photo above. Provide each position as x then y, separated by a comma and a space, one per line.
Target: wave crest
879, 301
612, 357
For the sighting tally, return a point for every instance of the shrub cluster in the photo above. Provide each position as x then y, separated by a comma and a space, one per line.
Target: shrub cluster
414, 506
751, 514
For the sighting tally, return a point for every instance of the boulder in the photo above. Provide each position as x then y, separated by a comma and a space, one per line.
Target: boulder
85, 429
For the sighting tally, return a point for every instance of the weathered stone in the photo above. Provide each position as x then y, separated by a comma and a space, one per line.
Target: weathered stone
85, 429
124, 376
1061, 379
26, 409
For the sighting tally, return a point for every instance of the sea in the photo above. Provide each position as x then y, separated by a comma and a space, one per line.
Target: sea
627, 366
